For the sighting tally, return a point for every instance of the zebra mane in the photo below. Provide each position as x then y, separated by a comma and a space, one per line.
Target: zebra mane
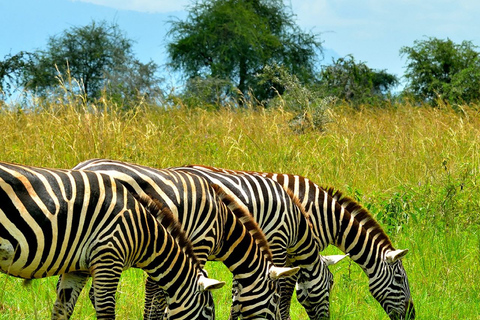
246, 219
168, 220
297, 202
360, 214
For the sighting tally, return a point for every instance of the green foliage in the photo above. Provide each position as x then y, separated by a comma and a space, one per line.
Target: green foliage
355, 82
442, 69
10, 70
444, 203
99, 57
234, 40
308, 106
207, 93
134, 82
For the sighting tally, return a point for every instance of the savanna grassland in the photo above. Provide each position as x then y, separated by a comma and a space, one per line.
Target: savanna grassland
415, 168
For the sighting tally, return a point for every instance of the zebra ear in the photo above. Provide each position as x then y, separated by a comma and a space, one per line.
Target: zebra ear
209, 284
282, 272
392, 256
333, 259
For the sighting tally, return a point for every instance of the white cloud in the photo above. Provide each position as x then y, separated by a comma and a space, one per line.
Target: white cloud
406, 14
150, 6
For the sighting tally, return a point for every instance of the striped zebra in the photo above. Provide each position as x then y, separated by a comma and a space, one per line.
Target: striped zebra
288, 230
79, 224
217, 228
343, 222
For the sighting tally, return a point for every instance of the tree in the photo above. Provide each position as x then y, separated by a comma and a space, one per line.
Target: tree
233, 40
439, 68
209, 93
11, 68
98, 56
134, 82
355, 82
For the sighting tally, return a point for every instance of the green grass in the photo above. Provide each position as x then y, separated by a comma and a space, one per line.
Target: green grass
416, 169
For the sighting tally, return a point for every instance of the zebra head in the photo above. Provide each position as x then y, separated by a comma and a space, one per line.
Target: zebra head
201, 306
390, 286
314, 285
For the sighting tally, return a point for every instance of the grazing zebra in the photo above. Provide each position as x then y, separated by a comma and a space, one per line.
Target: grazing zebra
217, 228
288, 230
79, 224
343, 222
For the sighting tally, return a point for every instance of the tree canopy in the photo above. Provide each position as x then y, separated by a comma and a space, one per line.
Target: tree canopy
11, 68
230, 51
355, 82
234, 40
439, 68
99, 56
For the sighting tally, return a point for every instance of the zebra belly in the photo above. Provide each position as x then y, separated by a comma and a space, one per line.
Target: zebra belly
20, 268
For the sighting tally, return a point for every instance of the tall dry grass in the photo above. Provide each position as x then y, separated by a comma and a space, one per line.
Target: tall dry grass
416, 169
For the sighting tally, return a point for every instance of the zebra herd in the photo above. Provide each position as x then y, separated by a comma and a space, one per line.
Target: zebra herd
105, 216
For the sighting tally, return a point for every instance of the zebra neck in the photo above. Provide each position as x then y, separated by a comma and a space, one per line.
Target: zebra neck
240, 252
167, 264
364, 241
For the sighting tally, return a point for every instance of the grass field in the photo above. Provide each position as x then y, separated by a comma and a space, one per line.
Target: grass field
416, 169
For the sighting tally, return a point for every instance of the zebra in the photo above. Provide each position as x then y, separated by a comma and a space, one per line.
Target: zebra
218, 228
287, 227
341, 221
79, 224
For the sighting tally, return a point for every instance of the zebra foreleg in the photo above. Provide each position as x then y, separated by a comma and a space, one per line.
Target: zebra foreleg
155, 302
235, 309
287, 285
105, 283
69, 287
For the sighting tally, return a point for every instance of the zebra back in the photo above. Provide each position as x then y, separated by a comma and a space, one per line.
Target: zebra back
77, 224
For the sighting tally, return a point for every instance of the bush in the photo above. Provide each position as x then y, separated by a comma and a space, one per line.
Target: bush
356, 83
307, 105
441, 70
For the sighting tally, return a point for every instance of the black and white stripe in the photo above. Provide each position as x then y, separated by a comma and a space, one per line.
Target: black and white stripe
79, 224
287, 228
343, 222
218, 228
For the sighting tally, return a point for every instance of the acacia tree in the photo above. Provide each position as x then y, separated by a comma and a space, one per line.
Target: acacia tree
233, 40
10, 70
439, 68
99, 56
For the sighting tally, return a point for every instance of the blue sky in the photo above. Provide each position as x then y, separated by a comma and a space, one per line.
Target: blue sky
373, 31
